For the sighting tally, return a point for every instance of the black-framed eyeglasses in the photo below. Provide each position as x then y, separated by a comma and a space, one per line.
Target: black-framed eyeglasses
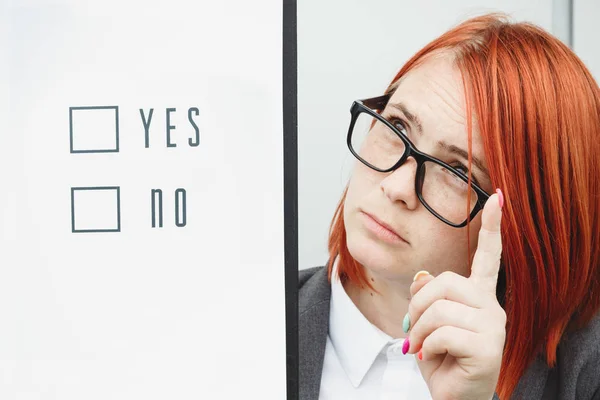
380, 145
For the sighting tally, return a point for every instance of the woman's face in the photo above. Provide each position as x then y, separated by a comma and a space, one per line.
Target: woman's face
431, 94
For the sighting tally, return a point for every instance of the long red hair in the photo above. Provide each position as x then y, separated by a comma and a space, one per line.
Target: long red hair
538, 111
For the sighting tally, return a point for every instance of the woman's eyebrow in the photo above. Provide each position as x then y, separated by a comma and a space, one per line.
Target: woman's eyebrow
461, 152
412, 118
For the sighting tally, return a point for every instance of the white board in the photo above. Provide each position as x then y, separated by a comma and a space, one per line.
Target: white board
95, 302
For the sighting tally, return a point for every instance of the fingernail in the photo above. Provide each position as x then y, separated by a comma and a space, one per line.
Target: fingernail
406, 323
420, 274
500, 198
405, 346
420, 355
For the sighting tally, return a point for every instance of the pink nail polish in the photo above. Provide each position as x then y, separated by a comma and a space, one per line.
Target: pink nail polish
500, 197
405, 346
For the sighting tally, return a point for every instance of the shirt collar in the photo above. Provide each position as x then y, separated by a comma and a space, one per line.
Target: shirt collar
356, 341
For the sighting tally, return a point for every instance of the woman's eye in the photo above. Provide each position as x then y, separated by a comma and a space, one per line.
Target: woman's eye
399, 124
461, 168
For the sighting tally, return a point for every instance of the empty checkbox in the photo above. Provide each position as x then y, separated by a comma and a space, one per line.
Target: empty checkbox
95, 209
94, 129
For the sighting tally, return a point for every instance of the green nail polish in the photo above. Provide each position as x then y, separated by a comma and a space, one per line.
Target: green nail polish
406, 323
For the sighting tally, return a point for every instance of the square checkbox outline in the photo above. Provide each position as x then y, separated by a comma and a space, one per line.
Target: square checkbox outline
88, 108
74, 189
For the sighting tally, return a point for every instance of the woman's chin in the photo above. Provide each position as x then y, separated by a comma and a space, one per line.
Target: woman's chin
374, 256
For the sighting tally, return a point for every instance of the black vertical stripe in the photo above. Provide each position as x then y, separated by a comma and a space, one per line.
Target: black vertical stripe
290, 192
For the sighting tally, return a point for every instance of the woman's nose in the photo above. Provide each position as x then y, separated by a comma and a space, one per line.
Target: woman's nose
399, 185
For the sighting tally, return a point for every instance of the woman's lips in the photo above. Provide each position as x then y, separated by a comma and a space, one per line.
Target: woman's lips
381, 229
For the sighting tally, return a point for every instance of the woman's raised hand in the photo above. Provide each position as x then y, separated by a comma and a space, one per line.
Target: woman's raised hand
456, 326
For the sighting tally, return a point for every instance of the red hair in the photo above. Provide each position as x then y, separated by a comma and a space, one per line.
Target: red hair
538, 111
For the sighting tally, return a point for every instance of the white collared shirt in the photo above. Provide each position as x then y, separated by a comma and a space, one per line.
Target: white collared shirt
363, 362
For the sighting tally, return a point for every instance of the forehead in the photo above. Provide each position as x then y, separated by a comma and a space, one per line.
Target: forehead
433, 91
433, 84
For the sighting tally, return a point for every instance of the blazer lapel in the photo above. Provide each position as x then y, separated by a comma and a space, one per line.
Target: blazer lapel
313, 322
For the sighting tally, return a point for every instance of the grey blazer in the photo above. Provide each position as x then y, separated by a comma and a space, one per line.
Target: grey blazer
576, 375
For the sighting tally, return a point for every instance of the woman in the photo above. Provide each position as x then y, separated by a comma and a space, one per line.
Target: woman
493, 127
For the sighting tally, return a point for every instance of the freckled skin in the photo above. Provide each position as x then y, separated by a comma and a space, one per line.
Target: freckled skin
434, 92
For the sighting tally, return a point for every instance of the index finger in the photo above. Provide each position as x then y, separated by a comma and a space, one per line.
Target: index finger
486, 262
